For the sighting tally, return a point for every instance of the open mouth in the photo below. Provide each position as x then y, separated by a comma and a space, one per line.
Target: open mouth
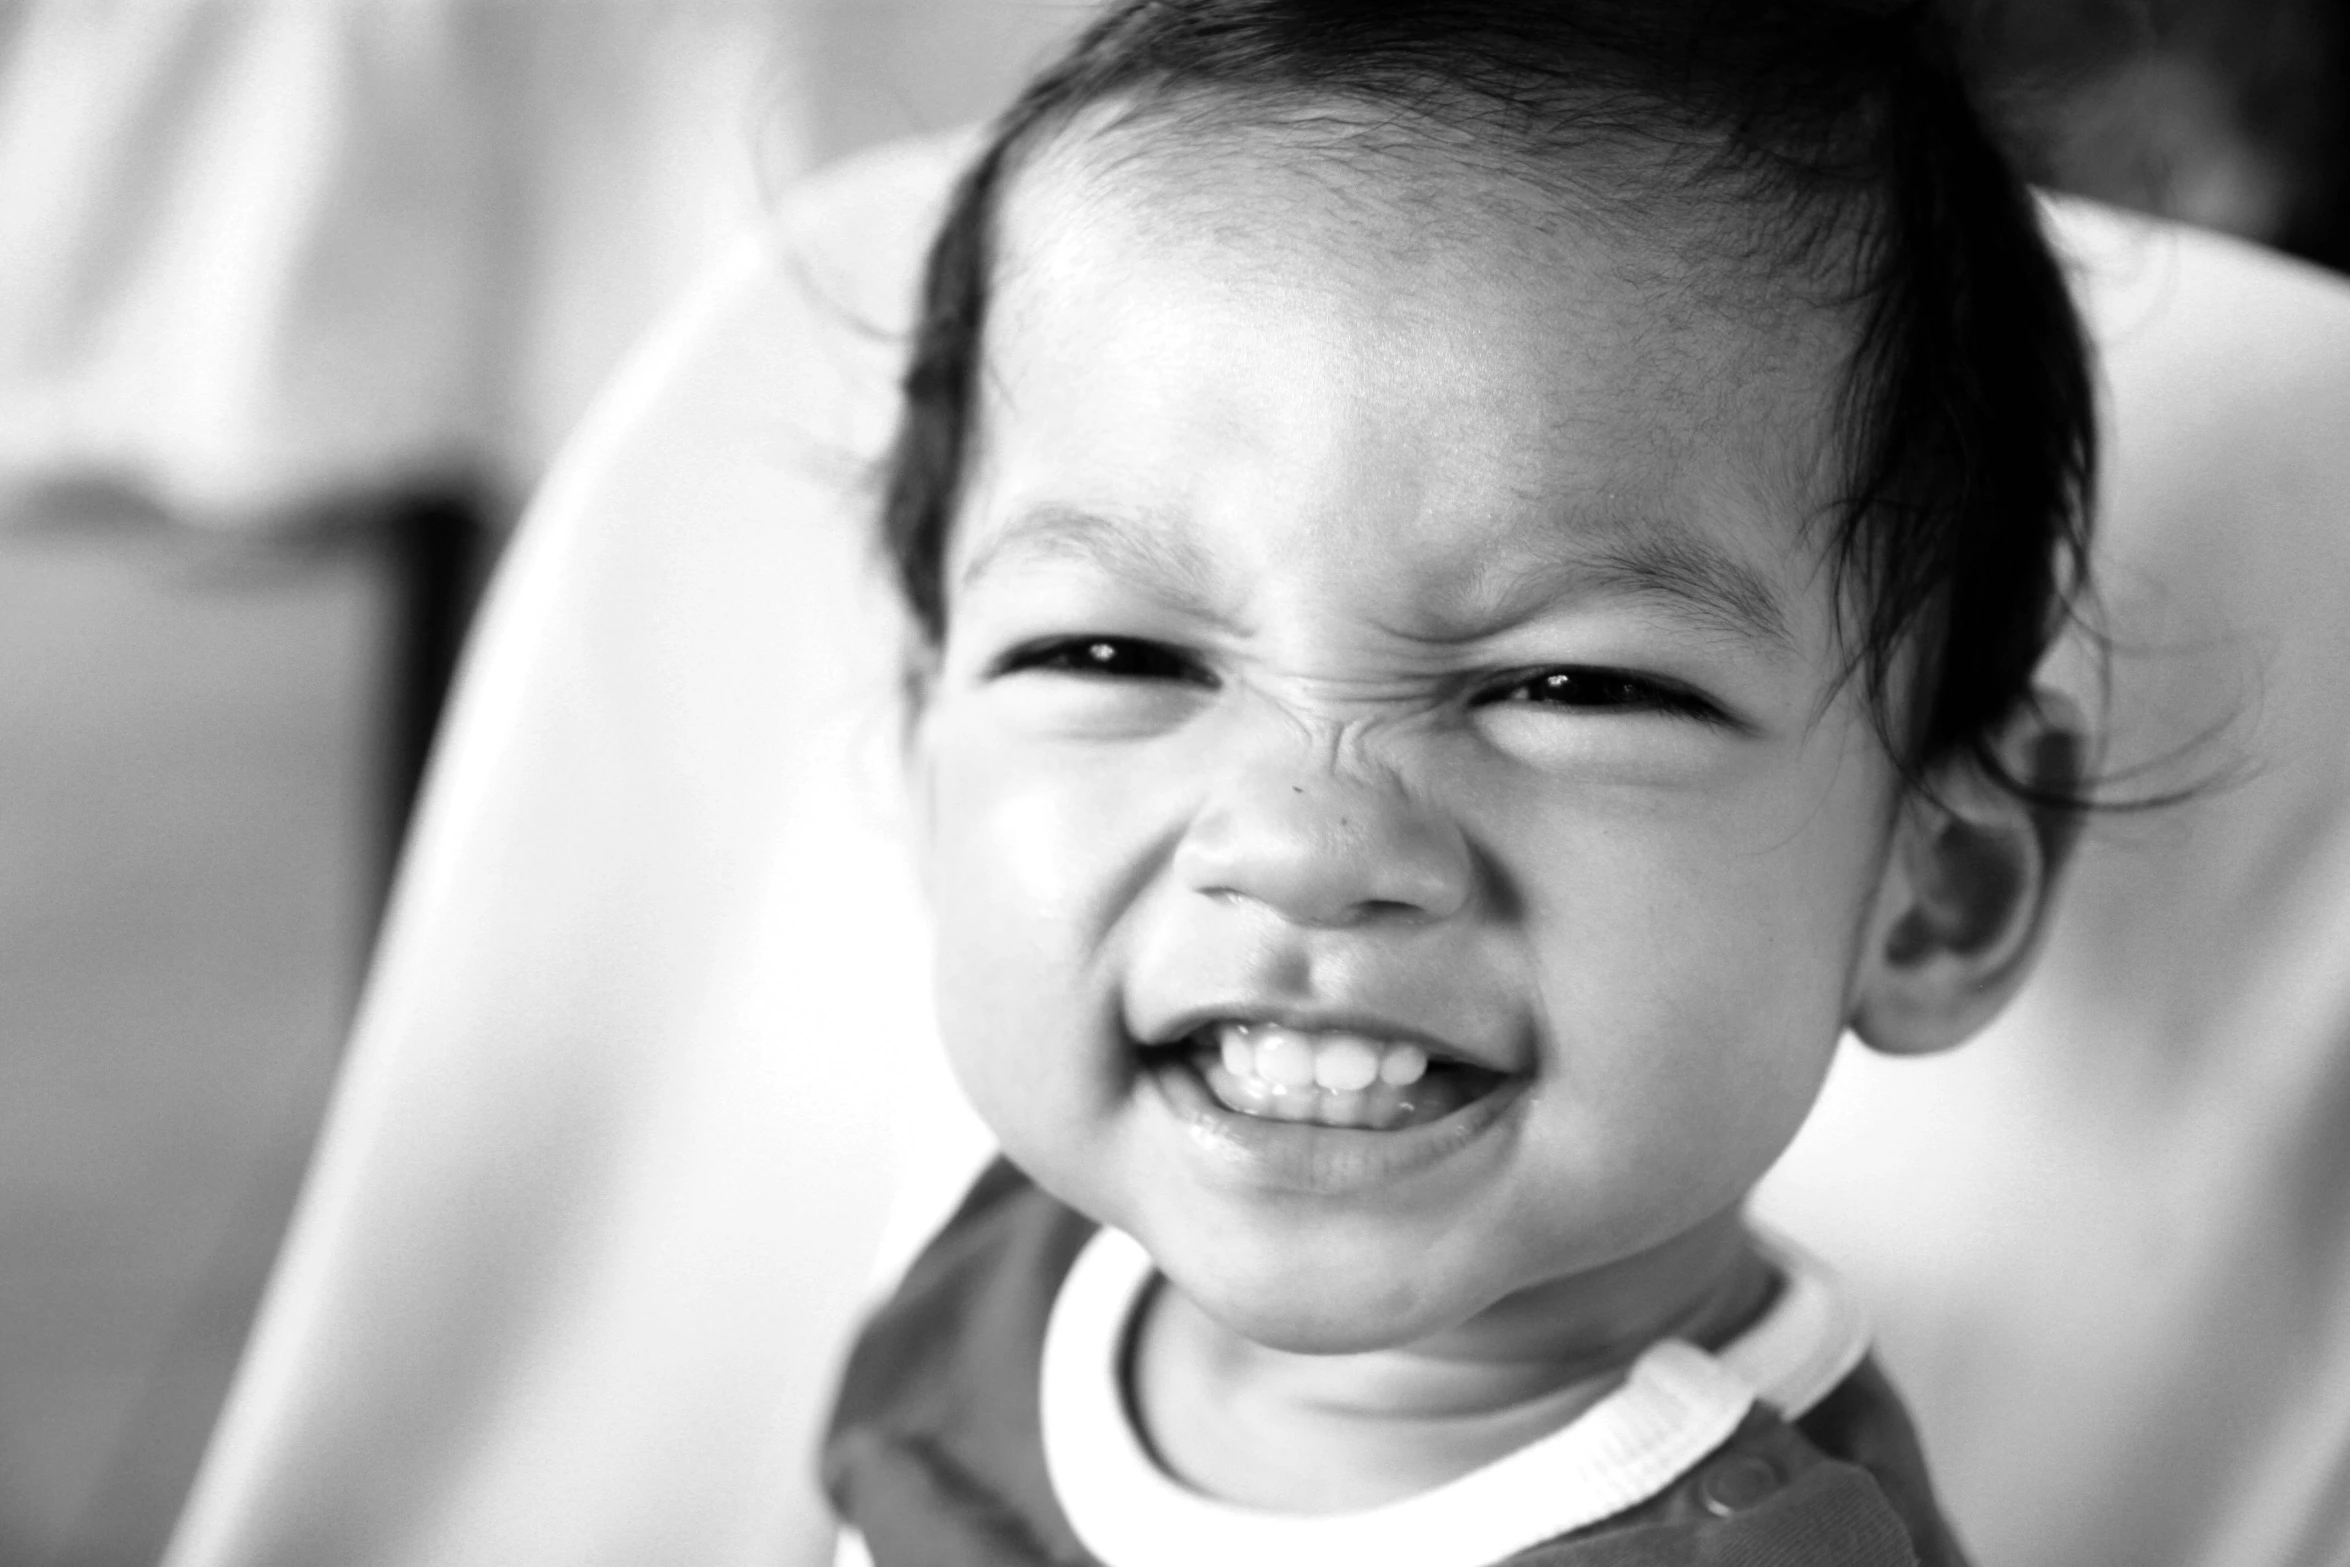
1326, 1077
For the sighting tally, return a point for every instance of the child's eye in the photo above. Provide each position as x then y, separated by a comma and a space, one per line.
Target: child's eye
1117, 658
1605, 690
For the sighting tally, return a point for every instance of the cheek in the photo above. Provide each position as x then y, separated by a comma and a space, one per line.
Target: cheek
1695, 968
1032, 847
1022, 871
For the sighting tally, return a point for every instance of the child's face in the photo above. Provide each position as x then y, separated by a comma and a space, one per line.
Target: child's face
1360, 629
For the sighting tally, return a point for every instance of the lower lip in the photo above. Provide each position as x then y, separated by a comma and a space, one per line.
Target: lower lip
1323, 1161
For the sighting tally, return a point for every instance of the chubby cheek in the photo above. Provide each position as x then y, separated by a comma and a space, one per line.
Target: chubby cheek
1023, 872
1694, 977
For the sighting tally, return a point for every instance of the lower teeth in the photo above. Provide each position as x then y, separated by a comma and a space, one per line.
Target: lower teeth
1381, 1107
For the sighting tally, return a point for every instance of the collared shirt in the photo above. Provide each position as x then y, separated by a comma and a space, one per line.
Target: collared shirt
981, 1420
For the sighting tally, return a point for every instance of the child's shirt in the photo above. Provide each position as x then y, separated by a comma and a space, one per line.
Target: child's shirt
982, 1419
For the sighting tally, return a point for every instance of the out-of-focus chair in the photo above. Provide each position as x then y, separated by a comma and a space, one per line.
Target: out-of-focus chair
299, 297
645, 1069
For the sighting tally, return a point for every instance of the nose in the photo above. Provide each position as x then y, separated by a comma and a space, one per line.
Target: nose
1325, 850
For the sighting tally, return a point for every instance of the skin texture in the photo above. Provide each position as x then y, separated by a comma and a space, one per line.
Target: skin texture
1367, 609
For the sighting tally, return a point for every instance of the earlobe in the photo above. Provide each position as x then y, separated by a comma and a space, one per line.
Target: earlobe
1967, 888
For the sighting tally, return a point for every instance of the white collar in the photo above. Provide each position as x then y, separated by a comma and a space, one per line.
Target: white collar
1676, 1404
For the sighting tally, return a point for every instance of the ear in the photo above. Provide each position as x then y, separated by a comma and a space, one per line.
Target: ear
1967, 887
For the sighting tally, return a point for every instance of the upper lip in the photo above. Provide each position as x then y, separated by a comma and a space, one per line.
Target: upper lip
1328, 1020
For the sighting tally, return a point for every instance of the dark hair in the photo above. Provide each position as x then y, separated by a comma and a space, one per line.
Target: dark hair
1845, 137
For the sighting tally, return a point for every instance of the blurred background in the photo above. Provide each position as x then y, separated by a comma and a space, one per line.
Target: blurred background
296, 299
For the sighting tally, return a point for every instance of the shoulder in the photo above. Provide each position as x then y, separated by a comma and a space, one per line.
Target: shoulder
1863, 1422
1844, 1485
934, 1448
976, 1300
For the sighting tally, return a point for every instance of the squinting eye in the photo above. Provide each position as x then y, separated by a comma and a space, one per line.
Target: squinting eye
1121, 658
1606, 689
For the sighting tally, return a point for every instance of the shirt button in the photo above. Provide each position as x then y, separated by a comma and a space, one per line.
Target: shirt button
1733, 1484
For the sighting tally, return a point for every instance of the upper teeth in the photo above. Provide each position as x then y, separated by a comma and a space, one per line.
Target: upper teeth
1336, 1061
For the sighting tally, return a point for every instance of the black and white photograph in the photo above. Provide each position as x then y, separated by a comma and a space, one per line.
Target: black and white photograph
1139, 783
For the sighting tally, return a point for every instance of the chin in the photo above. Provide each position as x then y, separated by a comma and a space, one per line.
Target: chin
1307, 1305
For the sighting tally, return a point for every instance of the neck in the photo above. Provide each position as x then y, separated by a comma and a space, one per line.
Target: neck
1336, 1433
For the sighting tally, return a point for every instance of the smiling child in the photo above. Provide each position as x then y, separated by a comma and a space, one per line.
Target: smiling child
1481, 567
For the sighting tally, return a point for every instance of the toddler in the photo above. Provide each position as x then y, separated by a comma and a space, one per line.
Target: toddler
1480, 568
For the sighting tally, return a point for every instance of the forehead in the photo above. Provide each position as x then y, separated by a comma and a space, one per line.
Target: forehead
1395, 319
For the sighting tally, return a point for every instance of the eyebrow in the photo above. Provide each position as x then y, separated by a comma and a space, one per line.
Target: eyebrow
1660, 562
1156, 558
1686, 570
1663, 563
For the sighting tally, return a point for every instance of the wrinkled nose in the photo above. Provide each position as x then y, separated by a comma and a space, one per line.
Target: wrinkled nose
1328, 851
